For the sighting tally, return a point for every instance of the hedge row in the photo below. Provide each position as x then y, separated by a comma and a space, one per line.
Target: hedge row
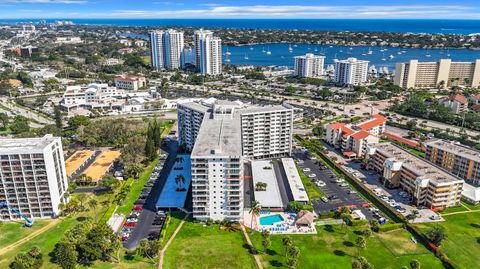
390, 227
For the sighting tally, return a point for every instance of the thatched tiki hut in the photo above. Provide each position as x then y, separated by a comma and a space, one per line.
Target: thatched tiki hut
304, 218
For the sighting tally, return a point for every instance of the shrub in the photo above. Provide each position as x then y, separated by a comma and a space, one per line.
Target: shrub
390, 227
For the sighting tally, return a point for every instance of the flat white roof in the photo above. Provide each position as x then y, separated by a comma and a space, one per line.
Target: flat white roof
294, 180
471, 192
271, 197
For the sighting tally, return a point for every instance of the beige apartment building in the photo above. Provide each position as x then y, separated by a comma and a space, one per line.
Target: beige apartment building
428, 184
461, 161
442, 74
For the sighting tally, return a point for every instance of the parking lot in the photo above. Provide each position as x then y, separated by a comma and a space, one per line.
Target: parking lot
145, 221
396, 198
337, 191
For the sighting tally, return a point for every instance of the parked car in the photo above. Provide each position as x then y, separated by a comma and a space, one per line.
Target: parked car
312, 175
324, 199
306, 170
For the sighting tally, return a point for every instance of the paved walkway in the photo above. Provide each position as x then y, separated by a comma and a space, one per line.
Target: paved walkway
461, 212
30, 236
164, 249
257, 258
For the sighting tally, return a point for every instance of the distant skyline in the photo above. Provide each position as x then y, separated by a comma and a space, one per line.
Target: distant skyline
245, 9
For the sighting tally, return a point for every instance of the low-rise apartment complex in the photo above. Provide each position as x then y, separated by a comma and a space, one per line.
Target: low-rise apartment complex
33, 179
457, 103
445, 73
130, 83
459, 160
353, 138
428, 184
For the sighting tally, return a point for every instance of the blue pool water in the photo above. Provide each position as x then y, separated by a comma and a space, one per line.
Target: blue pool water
270, 220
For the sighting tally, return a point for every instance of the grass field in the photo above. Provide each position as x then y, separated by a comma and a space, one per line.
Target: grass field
313, 191
76, 160
136, 189
208, 247
463, 243
14, 231
46, 240
101, 164
334, 247
175, 219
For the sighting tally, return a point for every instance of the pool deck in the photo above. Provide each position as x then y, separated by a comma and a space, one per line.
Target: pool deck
287, 226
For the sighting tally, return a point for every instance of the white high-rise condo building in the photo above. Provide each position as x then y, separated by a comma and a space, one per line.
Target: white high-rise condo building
442, 74
32, 177
208, 52
221, 135
351, 71
166, 49
309, 65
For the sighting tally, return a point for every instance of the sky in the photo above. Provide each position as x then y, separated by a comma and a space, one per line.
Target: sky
239, 9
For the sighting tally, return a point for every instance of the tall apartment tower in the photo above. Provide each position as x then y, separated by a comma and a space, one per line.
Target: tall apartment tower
167, 49
441, 74
351, 71
208, 52
32, 177
222, 135
309, 65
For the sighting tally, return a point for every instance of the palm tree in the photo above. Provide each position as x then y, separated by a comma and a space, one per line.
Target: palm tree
361, 243
294, 252
415, 214
255, 211
287, 242
92, 203
415, 264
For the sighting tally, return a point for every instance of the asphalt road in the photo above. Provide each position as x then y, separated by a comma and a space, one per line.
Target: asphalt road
146, 218
331, 188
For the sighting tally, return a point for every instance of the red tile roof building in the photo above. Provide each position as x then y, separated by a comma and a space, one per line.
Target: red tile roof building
352, 138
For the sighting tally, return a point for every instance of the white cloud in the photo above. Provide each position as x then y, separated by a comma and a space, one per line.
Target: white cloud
47, 1
298, 11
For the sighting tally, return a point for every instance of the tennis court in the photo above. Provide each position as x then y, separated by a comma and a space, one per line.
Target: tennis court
102, 164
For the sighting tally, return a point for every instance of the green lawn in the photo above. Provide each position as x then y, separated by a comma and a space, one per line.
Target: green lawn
13, 231
463, 243
208, 247
334, 247
454, 209
136, 189
45, 241
313, 191
175, 219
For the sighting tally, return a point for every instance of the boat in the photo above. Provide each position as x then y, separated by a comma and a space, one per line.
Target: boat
383, 57
315, 50
330, 46
370, 52
228, 53
263, 50
251, 48
290, 49
340, 51
245, 57
268, 51
391, 56
227, 60
294, 45
350, 48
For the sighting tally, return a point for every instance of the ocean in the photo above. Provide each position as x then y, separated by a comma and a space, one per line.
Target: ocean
371, 25
281, 56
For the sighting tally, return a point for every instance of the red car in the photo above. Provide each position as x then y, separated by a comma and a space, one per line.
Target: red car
130, 224
138, 208
124, 238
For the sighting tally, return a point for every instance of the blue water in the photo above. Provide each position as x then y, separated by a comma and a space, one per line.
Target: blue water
282, 57
372, 25
270, 220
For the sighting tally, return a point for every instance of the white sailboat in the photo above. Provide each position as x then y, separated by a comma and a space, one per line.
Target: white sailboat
245, 57
228, 53
383, 57
227, 60
290, 49
263, 50
268, 51
370, 52
251, 48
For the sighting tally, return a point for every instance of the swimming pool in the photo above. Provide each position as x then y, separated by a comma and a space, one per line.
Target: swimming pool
270, 220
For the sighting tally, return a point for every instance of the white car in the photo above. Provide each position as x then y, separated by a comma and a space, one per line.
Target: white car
306, 170
312, 175
321, 184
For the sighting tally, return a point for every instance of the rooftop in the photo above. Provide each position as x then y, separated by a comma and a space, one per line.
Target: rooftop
170, 197
456, 149
296, 185
271, 197
221, 137
25, 145
415, 164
